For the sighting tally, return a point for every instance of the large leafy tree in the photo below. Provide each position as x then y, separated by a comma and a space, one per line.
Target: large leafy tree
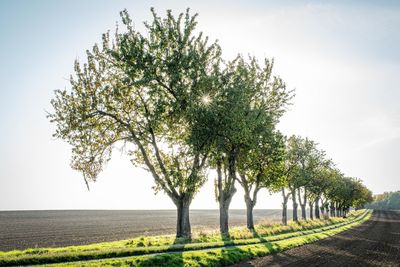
301, 161
289, 172
310, 158
293, 173
260, 167
302, 158
239, 117
142, 90
222, 123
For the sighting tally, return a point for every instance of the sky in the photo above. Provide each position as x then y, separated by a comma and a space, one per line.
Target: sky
341, 57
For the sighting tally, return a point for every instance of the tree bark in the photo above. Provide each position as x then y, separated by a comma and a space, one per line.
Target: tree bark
332, 209
284, 213
323, 209
249, 211
337, 210
183, 228
303, 212
250, 203
316, 210
224, 219
302, 204
226, 190
284, 206
295, 218
310, 204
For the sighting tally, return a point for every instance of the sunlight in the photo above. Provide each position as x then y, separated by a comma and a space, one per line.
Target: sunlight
205, 100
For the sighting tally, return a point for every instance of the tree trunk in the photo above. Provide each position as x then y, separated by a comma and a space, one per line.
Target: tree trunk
305, 203
284, 213
310, 204
225, 190
295, 218
323, 208
250, 203
316, 211
303, 212
302, 205
249, 210
183, 223
224, 215
327, 210
284, 207
224, 219
332, 209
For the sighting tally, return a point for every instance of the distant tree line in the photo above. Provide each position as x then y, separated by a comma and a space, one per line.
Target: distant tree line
180, 109
386, 201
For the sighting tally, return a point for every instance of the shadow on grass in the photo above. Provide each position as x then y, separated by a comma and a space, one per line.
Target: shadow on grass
181, 241
173, 257
240, 256
228, 255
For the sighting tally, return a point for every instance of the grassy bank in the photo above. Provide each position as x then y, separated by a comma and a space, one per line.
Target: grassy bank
205, 249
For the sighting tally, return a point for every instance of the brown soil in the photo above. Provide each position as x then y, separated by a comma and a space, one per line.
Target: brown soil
374, 243
57, 228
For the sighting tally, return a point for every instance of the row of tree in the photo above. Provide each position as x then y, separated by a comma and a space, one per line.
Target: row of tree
311, 178
181, 110
386, 201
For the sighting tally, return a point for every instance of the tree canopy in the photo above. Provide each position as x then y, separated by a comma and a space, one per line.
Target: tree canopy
180, 109
385, 201
142, 90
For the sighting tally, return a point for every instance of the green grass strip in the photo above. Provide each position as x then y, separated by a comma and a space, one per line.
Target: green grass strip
236, 233
220, 256
68, 256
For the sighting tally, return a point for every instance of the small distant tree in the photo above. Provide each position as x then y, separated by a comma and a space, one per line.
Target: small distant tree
353, 194
319, 183
142, 90
336, 192
385, 201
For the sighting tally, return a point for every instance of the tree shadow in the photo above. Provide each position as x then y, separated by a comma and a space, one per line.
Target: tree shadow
172, 256
370, 244
271, 247
173, 259
181, 241
227, 240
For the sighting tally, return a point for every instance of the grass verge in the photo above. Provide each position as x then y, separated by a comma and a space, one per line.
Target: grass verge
259, 239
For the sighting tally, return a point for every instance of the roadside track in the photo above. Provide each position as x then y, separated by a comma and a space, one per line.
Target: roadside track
374, 243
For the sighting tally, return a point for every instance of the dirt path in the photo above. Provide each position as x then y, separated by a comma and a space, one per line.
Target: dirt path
374, 243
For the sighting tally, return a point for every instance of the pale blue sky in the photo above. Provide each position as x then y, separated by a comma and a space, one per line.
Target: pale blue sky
342, 57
